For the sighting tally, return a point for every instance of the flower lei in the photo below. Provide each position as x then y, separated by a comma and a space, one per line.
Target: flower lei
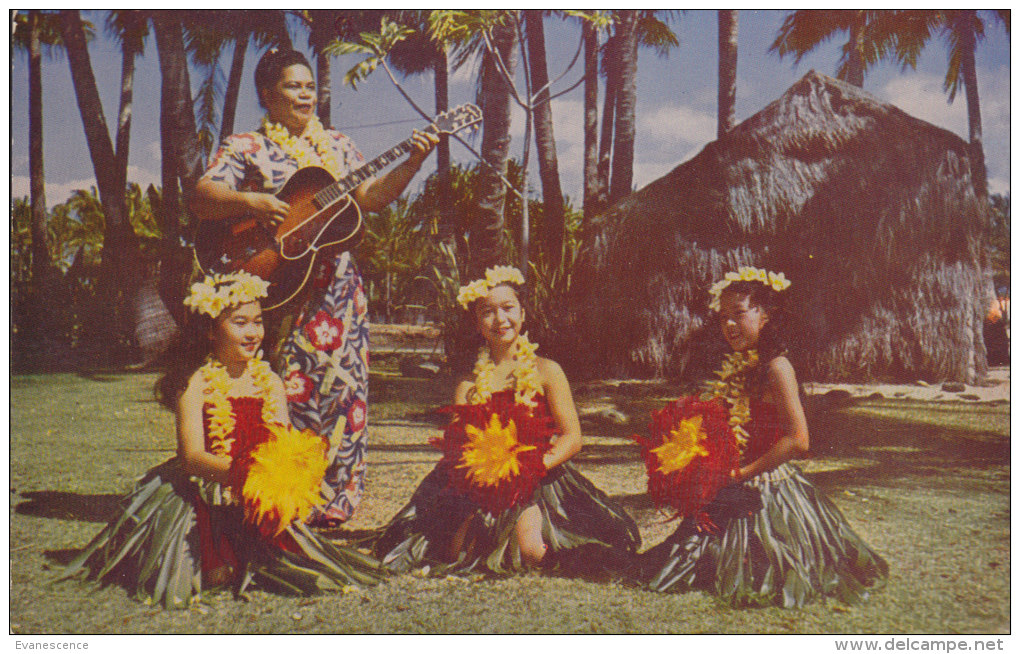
314, 146
526, 381
732, 387
777, 281
493, 277
218, 385
217, 292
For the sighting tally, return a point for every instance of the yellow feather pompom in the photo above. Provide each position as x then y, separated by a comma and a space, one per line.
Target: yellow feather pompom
282, 484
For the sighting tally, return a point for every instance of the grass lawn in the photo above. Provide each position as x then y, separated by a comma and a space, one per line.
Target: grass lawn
926, 484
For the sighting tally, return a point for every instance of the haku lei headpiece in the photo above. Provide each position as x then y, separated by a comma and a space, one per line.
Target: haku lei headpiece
312, 148
777, 281
217, 292
493, 277
527, 383
732, 388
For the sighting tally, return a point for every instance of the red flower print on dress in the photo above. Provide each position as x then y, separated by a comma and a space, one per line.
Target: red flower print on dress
360, 301
298, 386
325, 332
246, 144
356, 416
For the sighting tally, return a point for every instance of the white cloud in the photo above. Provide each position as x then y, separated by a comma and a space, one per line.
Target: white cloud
998, 185
670, 123
155, 151
59, 192
647, 172
922, 96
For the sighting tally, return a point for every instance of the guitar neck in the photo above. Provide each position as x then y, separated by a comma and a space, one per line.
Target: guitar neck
343, 186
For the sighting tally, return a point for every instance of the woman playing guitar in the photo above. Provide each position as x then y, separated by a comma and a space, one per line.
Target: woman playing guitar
323, 350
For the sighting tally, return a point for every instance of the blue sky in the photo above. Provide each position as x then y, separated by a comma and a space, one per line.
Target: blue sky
675, 113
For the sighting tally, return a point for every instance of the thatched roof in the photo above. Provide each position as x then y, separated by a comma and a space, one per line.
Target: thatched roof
869, 211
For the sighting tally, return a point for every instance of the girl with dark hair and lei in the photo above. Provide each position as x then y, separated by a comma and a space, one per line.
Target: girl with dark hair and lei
505, 498
229, 509
319, 344
756, 533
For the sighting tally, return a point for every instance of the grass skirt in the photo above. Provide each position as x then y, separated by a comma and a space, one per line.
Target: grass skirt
176, 537
587, 533
797, 547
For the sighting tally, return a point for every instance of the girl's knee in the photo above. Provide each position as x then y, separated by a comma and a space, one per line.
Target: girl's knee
529, 535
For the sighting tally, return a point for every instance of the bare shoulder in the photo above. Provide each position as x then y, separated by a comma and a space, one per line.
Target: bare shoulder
192, 395
780, 371
464, 385
549, 369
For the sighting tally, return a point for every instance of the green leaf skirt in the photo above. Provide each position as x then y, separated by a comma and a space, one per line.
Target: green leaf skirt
796, 548
586, 532
155, 546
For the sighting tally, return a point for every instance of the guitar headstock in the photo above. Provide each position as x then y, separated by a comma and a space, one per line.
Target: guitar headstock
457, 119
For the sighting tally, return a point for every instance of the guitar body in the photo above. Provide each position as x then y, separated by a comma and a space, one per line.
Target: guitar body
284, 258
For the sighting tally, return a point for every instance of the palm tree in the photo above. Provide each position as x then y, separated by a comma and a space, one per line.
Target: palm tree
626, 103
962, 29
727, 71
415, 56
591, 118
617, 131
182, 161
35, 33
129, 28
120, 251
494, 98
323, 27
873, 35
545, 143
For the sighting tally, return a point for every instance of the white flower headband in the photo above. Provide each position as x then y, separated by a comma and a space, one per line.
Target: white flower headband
493, 277
777, 281
217, 292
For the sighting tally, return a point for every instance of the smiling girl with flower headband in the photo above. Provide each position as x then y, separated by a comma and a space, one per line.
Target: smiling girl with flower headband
770, 537
505, 497
228, 510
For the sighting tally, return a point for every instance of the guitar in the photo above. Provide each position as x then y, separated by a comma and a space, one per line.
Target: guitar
322, 215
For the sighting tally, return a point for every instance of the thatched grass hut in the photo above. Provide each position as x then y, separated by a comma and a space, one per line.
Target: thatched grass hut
869, 211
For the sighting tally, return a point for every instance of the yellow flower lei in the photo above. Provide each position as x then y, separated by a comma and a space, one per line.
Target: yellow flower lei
313, 148
218, 385
732, 387
777, 281
526, 381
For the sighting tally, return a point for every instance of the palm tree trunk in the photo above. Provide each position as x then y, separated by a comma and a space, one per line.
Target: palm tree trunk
626, 101
233, 86
494, 97
591, 119
119, 273
104, 161
442, 84
182, 153
968, 45
324, 73
545, 143
855, 64
127, 81
608, 119
37, 179
274, 22
727, 71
